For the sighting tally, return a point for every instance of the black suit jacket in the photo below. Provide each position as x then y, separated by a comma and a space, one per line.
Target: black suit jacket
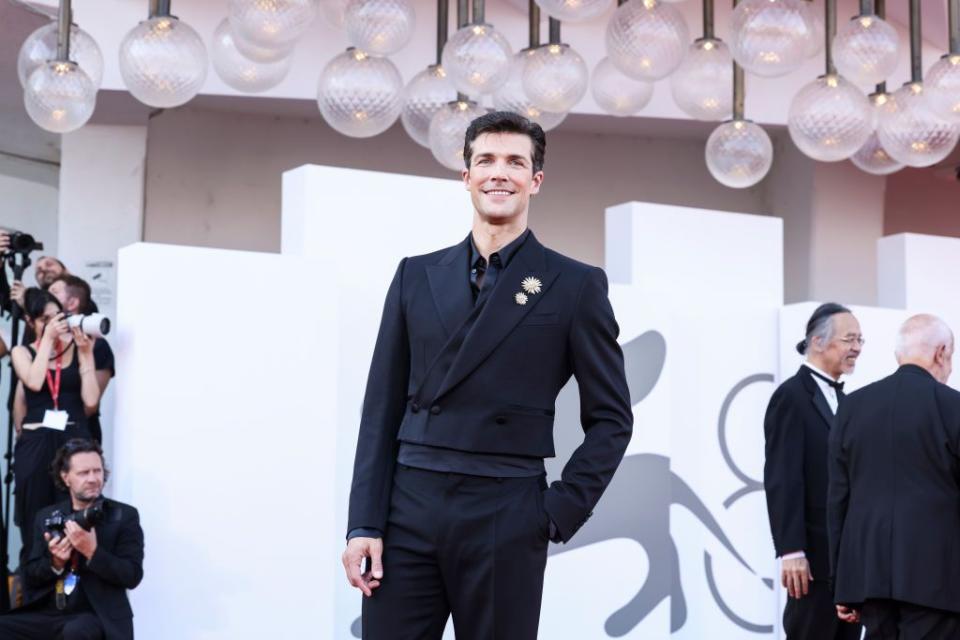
797, 427
497, 393
116, 565
894, 500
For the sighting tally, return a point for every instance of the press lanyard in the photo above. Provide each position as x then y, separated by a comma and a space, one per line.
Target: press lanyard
53, 382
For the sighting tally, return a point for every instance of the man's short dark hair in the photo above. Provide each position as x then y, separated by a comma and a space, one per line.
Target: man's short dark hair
61, 461
507, 122
77, 288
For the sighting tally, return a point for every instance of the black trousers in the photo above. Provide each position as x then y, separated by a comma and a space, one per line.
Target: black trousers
49, 624
893, 620
468, 546
814, 617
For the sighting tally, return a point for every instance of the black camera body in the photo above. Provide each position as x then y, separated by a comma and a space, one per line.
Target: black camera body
23, 243
87, 518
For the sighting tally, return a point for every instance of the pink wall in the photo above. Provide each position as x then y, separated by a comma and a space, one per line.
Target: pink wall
923, 201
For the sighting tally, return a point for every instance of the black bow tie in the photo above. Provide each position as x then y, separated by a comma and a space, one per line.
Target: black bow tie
833, 383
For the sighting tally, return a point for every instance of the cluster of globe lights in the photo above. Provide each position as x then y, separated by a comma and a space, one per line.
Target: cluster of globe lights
360, 92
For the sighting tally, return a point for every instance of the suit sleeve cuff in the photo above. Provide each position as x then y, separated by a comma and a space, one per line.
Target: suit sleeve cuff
364, 532
793, 556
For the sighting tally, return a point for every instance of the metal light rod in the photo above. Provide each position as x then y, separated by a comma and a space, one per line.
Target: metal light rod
866, 7
63, 31
916, 43
554, 31
738, 86
953, 18
708, 19
534, 18
443, 18
880, 10
830, 30
159, 8
463, 13
478, 11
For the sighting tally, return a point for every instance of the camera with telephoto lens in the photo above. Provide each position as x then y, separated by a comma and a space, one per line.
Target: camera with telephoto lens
94, 325
23, 243
87, 518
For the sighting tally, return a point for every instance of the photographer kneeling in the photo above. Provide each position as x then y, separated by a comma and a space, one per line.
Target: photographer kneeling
60, 390
87, 552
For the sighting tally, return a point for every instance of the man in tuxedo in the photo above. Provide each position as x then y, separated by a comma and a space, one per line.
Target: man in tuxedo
894, 521
796, 427
449, 504
76, 583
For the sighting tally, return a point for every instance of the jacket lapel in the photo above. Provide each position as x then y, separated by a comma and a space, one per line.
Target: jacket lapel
816, 396
450, 286
501, 313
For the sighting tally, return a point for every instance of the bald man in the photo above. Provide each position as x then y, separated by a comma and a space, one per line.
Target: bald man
893, 499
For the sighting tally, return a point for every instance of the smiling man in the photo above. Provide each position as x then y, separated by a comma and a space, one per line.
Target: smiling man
450, 509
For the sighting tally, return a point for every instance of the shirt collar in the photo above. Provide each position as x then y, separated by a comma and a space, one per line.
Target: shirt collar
813, 367
505, 253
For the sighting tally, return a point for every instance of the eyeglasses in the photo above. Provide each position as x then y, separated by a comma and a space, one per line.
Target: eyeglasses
858, 340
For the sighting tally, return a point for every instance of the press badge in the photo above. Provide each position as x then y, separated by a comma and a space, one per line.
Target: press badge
55, 420
70, 583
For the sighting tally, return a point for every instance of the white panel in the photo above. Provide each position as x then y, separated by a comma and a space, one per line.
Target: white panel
225, 440
363, 223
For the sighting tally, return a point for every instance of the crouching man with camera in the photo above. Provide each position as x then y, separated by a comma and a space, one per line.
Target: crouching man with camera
87, 552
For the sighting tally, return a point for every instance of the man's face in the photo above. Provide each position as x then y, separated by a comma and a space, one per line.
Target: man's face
842, 351
48, 270
85, 477
501, 178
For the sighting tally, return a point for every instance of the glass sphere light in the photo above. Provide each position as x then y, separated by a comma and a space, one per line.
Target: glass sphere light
259, 53
59, 97
647, 39
830, 119
448, 129
238, 71
701, 86
616, 93
942, 86
771, 37
555, 78
739, 154
379, 27
163, 62
813, 42
477, 59
866, 50
425, 94
41, 47
333, 11
574, 10
360, 95
872, 157
511, 96
271, 23
910, 130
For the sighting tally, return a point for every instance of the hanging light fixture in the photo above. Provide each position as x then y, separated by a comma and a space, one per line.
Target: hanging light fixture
333, 11
163, 61
574, 10
429, 90
771, 37
477, 58
813, 42
701, 86
59, 96
910, 130
359, 95
448, 127
41, 46
379, 27
240, 72
555, 77
872, 157
866, 48
647, 39
739, 153
830, 118
512, 96
943, 79
271, 23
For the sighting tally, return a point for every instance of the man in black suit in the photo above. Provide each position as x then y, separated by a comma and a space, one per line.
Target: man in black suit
76, 584
796, 427
449, 502
894, 496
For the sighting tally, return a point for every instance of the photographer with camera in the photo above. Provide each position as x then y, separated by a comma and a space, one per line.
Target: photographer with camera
88, 550
60, 391
73, 293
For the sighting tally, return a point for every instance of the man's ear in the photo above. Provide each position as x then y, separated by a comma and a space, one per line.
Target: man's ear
465, 175
537, 181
